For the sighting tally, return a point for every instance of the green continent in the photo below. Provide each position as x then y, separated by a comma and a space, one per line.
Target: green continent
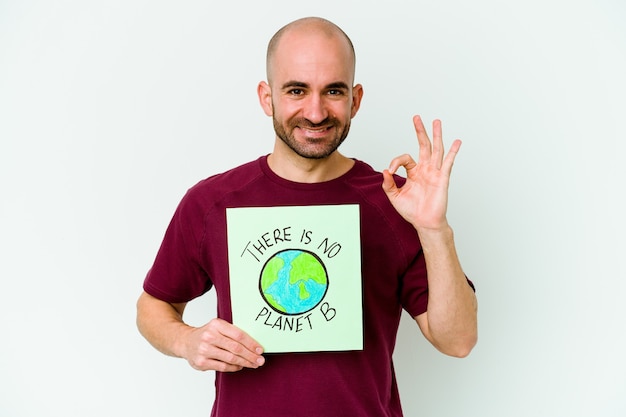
306, 266
270, 272
304, 294
270, 275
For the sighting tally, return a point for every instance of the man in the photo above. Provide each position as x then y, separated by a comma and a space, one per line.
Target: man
408, 254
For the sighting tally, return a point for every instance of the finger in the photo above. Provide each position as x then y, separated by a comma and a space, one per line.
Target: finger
437, 143
422, 139
222, 366
235, 333
233, 352
212, 364
405, 161
451, 156
231, 355
235, 345
389, 184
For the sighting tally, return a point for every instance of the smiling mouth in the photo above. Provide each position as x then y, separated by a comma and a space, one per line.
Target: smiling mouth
315, 131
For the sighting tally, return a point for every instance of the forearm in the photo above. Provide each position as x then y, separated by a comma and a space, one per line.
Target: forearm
161, 324
452, 307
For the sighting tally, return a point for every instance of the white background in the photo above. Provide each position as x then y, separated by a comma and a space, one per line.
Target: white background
110, 110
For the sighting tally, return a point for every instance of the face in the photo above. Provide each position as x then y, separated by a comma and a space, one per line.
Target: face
310, 97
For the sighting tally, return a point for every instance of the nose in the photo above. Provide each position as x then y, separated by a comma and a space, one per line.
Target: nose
315, 109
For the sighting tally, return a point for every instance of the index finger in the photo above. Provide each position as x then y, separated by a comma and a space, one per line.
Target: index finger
425, 149
238, 341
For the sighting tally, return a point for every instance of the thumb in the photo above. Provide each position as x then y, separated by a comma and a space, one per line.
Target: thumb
389, 184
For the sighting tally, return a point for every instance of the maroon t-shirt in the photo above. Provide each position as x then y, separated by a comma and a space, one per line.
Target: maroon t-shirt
193, 259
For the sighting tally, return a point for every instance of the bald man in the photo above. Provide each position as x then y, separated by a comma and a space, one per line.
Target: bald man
409, 260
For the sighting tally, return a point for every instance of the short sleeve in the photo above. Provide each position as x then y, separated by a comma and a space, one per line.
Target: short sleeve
176, 275
414, 287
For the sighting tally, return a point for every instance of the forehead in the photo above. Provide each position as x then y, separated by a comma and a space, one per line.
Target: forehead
313, 56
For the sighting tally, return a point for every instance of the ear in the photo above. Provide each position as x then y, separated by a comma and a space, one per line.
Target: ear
265, 97
357, 95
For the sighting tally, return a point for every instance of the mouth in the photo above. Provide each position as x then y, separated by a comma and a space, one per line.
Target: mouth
316, 132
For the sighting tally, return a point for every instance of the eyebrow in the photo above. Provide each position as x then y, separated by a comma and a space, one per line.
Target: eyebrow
338, 85
291, 84
300, 84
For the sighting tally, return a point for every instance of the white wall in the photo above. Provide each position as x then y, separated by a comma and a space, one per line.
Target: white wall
110, 110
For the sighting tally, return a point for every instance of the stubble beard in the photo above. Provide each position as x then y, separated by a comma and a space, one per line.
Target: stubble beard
304, 149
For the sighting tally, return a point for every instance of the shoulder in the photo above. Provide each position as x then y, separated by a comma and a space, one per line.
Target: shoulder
377, 210
368, 182
234, 176
364, 174
209, 192
221, 183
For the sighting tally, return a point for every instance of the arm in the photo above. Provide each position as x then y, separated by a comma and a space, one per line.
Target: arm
450, 323
218, 345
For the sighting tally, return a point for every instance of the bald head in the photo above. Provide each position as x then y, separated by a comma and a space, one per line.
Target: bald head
308, 26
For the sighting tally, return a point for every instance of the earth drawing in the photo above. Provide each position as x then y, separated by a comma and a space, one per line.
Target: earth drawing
293, 281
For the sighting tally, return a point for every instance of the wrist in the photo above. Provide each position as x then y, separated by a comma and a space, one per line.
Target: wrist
180, 340
435, 236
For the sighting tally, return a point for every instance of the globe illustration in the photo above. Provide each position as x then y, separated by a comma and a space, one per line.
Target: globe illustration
293, 281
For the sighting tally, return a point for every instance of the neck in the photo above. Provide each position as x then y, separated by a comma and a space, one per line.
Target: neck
293, 167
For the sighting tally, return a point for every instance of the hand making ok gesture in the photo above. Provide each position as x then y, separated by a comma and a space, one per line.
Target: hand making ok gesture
423, 199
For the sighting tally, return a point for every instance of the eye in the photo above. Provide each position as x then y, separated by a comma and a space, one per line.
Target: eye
296, 92
335, 92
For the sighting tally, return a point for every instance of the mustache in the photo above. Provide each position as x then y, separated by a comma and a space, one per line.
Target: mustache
307, 124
